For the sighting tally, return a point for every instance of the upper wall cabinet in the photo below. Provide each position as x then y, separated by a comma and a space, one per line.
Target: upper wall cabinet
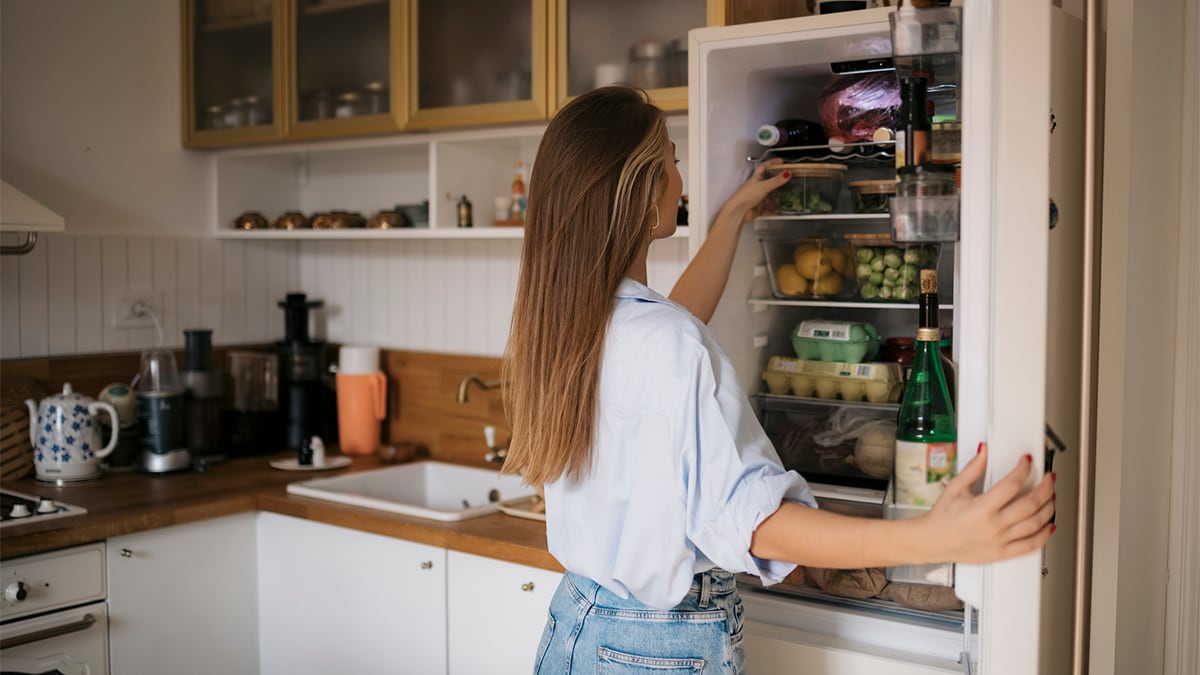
642, 43
345, 67
232, 71
478, 62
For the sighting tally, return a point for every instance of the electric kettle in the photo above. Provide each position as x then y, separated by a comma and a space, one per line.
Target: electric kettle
66, 438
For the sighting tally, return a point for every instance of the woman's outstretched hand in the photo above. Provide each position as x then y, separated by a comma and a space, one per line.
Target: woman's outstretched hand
998, 524
744, 203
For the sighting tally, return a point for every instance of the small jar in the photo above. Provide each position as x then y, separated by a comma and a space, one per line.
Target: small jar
648, 67
374, 98
899, 350
349, 104
257, 111
235, 114
946, 143
214, 117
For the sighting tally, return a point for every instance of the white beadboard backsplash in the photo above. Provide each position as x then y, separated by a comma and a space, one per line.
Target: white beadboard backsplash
449, 296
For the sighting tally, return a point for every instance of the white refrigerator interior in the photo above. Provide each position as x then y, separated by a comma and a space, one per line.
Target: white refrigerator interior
1009, 290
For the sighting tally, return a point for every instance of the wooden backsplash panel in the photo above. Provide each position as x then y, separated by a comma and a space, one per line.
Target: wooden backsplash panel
423, 407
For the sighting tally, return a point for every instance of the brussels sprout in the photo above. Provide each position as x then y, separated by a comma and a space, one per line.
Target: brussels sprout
869, 291
877, 265
892, 260
876, 278
902, 292
913, 256
866, 254
885, 292
888, 283
908, 273
863, 270
891, 274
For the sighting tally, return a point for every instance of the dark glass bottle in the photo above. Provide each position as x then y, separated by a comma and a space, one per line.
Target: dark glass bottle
914, 131
926, 436
791, 133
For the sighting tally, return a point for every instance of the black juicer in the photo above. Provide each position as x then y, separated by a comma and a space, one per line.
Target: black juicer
307, 402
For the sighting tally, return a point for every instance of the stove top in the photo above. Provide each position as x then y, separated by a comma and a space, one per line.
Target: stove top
17, 508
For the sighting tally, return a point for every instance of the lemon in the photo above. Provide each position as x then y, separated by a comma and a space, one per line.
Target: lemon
790, 282
827, 284
812, 263
838, 258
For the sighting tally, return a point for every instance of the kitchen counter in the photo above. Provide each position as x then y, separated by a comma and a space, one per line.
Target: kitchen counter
123, 503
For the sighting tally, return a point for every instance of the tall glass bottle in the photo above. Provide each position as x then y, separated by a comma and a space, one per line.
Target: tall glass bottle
913, 127
926, 437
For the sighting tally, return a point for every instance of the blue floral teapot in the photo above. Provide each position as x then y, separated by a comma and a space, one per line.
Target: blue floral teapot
66, 436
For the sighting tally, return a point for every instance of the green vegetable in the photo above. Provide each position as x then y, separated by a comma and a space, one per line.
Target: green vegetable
863, 270
892, 272
875, 278
869, 291
885, 293
866, 254
913, 256
892, 260
909, 273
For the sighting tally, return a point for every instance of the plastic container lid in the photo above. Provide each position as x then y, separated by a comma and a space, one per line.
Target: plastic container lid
874, 187
817, 170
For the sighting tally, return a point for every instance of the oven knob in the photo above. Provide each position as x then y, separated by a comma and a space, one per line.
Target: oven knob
16, 591
19, 511
46, 505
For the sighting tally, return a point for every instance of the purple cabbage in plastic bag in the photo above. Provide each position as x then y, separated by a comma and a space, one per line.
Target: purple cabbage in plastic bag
852, 107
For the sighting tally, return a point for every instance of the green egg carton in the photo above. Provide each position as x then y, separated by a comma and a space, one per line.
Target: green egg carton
844, 341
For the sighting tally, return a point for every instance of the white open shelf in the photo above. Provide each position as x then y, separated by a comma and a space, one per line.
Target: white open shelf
375, 174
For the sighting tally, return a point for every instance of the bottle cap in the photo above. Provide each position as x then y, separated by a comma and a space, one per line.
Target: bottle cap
768, 135
929, 281
928, 335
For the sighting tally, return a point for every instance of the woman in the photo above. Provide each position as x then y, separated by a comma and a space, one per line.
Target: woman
659, 481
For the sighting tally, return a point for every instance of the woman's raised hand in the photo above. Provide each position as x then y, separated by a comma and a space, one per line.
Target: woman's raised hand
744, 203
998, 524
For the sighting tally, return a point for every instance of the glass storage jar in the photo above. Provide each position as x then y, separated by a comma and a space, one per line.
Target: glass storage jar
648, 65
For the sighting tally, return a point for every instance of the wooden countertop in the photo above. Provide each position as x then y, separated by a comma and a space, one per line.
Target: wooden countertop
123, 503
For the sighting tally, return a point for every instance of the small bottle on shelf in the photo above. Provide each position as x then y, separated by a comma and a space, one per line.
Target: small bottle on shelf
465, 218
926, 434
913, 129
518, 194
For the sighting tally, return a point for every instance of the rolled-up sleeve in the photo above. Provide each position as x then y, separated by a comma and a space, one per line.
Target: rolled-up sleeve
732, 475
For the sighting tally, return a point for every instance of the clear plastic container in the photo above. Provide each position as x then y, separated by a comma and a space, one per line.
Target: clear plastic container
812, 189
935, 574
889, 271
925, 207
809, 269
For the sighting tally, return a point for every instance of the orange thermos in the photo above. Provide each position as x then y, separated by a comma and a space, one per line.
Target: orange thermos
361, 400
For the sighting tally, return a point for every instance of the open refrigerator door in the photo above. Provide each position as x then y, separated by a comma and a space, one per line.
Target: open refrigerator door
788, 288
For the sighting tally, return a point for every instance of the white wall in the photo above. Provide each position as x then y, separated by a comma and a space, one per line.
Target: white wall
1138, 332
90, 121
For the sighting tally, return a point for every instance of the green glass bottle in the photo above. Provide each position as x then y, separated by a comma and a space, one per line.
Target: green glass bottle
925, 432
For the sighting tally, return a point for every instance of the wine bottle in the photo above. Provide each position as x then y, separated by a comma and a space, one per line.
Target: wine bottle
926, 437
791, 133
913, 127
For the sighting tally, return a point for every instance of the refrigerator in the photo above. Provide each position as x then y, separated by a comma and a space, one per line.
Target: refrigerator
1010, 290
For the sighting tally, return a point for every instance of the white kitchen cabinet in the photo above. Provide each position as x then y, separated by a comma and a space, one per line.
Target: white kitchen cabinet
497, 611
183, 599
335, 600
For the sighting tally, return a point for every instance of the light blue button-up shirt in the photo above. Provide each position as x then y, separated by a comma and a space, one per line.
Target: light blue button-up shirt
682, 472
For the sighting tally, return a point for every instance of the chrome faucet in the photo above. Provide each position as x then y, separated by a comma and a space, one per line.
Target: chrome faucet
466, 384
495, 454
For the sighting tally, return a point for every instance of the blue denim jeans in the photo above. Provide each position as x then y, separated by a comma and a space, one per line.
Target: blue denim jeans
591, 631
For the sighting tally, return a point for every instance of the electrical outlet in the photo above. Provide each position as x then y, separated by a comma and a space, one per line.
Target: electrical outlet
131, 309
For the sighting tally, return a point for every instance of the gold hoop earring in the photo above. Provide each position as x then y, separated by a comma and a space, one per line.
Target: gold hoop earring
656, 219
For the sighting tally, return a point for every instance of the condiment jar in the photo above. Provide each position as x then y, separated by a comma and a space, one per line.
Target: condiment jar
947, 143
256, 111
899, 350
214, 117
349, 104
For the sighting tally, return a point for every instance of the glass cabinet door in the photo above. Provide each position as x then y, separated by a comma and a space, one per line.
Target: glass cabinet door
344, 70
642, 43
232, 72
477, 62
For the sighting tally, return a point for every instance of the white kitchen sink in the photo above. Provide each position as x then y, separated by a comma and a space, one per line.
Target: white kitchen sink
434, 490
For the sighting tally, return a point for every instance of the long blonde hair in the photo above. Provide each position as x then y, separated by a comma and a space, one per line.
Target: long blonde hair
598, 170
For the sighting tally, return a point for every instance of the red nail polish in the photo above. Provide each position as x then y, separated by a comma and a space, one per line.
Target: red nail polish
1053, 527
1029, 458
787, 174
979, 448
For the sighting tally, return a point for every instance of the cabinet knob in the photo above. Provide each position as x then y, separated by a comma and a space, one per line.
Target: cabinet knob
427, 565
16, 591
126, 553
527, 586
